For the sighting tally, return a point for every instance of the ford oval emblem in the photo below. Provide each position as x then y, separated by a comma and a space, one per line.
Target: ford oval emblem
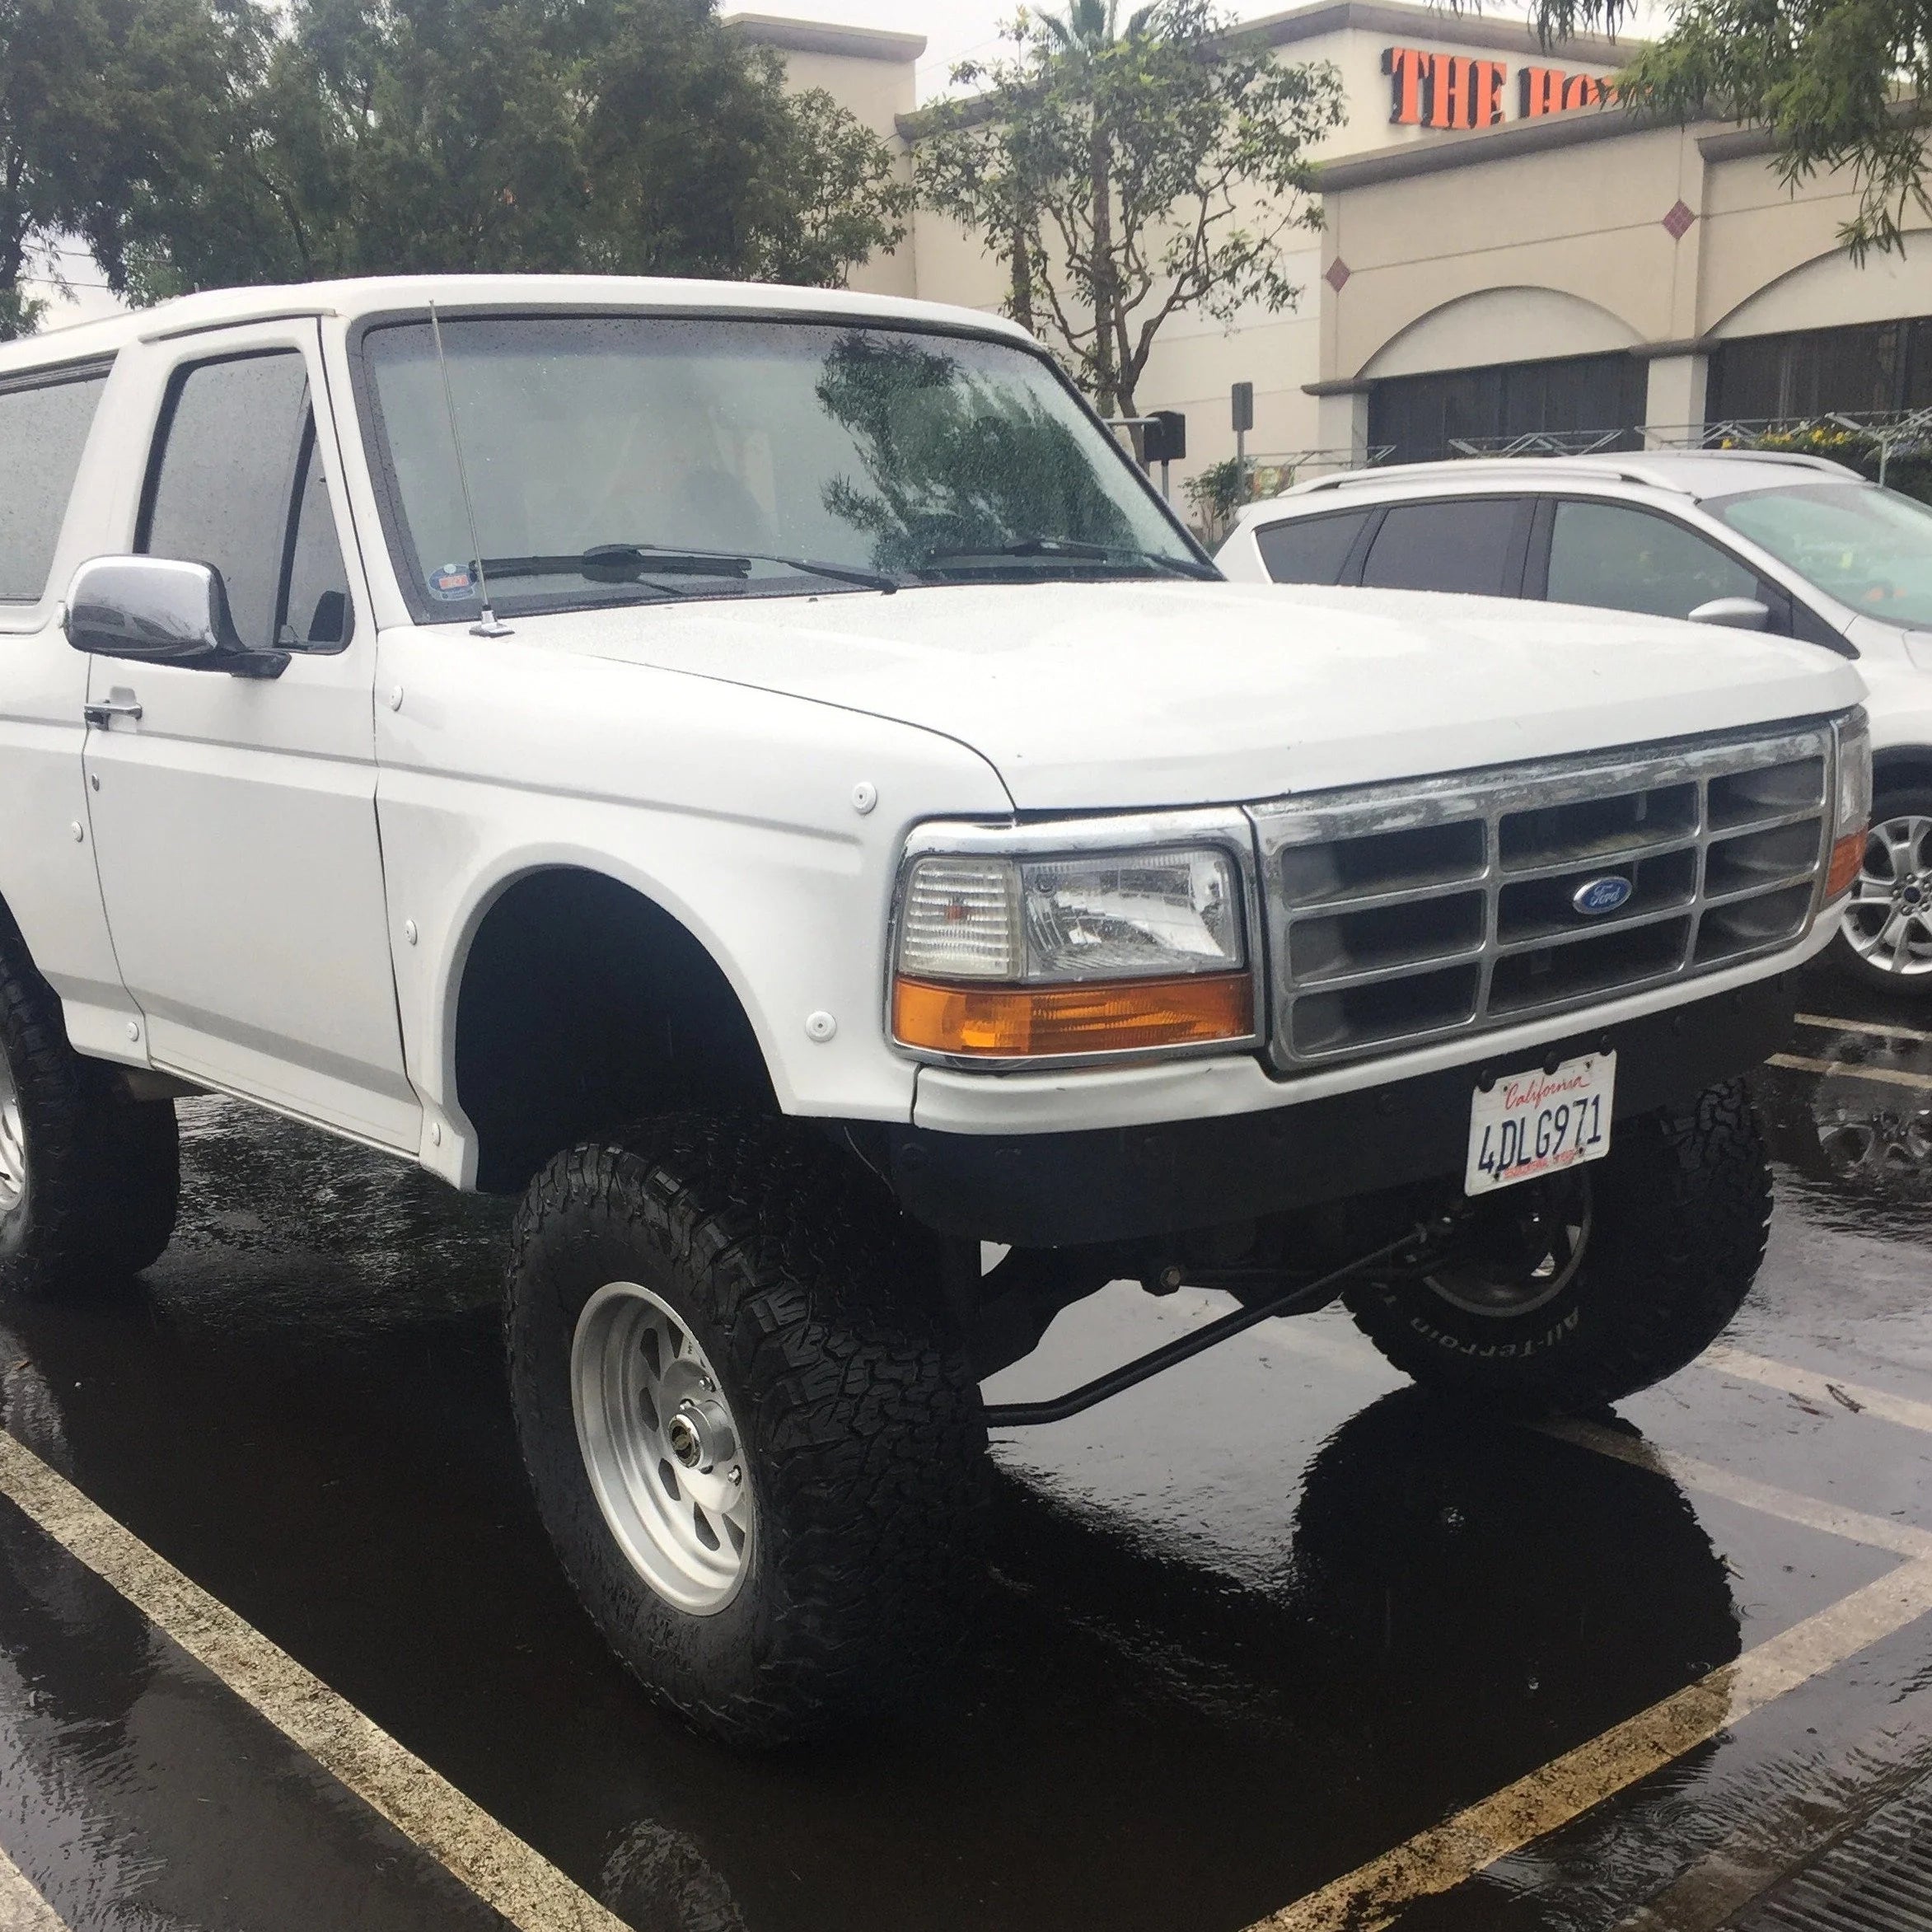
1600, 896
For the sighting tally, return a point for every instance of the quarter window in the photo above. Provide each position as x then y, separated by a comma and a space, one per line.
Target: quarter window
44, 427
1463, 545
1623, 559
1309, 549
235, 483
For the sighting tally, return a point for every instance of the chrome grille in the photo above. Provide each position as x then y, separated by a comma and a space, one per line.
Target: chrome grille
1408, 913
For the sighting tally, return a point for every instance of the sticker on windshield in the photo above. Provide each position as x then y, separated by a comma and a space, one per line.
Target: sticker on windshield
453, 583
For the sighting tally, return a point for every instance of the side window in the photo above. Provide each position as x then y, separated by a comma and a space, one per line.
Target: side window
314, 601
235, 482
1620, 557
1309, 550
1464, 545
43, 425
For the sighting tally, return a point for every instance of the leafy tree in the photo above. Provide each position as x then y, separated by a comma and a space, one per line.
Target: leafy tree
1127, 176
610, 136
101, 102
1843, 83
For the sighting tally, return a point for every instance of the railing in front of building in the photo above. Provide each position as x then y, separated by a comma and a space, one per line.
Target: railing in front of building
1862, 439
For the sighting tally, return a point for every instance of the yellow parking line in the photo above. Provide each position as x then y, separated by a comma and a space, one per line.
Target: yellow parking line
1437, 1859
21, 1908
1892, 1076
1831, 1392
496, 1865
1827, 1024
1877, 1532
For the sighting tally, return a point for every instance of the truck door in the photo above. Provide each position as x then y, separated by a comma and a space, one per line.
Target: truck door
234, 817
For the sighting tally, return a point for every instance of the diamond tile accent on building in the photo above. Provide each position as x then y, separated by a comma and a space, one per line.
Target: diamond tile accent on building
1337, 273
1678, 221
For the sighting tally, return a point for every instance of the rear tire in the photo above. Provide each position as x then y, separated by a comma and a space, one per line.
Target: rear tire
89, 1180
1651, 1269
741, 1281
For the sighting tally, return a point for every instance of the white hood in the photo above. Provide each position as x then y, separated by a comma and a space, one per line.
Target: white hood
1115, 695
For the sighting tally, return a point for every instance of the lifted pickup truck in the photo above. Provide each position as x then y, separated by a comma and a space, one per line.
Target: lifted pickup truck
758, 773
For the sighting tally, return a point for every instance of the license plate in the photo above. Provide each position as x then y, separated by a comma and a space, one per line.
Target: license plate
1530, 1125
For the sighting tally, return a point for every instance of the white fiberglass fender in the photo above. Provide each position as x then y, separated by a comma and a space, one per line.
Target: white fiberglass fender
770, 828
1122, 696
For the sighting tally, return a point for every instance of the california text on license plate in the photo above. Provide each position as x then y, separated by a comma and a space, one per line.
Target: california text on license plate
1534, 1124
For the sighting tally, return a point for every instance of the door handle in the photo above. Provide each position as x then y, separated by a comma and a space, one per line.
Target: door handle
115, 705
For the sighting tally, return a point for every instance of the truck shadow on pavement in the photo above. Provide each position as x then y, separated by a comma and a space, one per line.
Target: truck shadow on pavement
302, 1407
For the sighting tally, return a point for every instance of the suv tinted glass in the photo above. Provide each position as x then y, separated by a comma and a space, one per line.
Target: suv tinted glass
43, 428
1459, 545
1620, 557
1309, 549
255, 505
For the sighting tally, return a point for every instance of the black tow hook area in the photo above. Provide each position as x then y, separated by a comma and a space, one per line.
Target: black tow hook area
1299, 1299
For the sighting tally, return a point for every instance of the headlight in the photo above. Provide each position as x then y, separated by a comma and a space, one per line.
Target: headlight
1022, 957
1854, 814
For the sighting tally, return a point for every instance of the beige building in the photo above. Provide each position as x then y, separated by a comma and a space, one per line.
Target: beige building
1504, 255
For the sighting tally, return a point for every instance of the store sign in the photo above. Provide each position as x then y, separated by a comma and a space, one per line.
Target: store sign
1460, 90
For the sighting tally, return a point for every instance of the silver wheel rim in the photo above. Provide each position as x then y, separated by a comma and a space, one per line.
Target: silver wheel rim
13, 1141
1562, 1234
662, 1448
1889, 922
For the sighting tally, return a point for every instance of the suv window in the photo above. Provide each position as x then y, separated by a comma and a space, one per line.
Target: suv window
1620, 558
43, 425
1309, 549
1463, 545
251, 502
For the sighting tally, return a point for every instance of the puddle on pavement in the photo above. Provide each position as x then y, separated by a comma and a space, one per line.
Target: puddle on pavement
1247, 1627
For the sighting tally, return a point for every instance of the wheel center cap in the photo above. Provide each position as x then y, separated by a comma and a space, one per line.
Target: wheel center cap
699, 1435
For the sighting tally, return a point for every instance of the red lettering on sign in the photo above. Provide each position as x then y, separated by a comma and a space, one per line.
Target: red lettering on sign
1486, 92
1403, 66
1539, 91
1449, 102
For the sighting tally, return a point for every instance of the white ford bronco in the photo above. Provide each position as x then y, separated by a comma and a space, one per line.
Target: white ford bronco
760, 774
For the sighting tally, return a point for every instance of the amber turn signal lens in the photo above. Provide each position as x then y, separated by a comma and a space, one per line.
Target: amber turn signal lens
1015, 1021
1848, 856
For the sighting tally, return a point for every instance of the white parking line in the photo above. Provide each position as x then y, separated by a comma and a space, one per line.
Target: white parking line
1824, 1024
1877, 1532
1370, 1896
1438, 1859
1831, 1393
496, 1865
21, 1908
1890, 1076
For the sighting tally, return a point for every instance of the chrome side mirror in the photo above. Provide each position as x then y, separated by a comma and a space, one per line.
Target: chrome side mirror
160, 610
1733, 613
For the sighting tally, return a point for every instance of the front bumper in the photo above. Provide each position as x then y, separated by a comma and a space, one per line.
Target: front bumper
1057, 1189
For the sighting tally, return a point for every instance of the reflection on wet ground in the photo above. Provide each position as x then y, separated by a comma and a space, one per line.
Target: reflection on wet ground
1246, 1627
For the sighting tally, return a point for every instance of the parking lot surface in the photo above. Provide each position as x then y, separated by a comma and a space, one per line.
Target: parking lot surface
1271, 1640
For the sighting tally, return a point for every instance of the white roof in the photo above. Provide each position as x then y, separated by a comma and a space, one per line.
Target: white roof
1697, 474
219, 308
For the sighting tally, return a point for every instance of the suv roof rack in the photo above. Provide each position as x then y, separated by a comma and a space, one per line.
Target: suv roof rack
1460, 467
1643, 468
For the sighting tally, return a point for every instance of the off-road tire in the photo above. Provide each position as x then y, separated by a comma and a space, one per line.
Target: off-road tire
1680, 1209
1907, 801
104, 1173
863, 1441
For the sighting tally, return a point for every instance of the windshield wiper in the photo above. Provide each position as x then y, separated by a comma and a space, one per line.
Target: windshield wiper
634, 562
1057, 550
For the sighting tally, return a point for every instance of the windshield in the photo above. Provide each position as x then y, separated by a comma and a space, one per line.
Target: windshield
1868, 547
629, 458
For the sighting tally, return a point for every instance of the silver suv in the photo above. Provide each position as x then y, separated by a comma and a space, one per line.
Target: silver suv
1791, 544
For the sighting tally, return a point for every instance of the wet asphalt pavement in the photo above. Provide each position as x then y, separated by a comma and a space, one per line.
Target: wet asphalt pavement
1251, 1625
